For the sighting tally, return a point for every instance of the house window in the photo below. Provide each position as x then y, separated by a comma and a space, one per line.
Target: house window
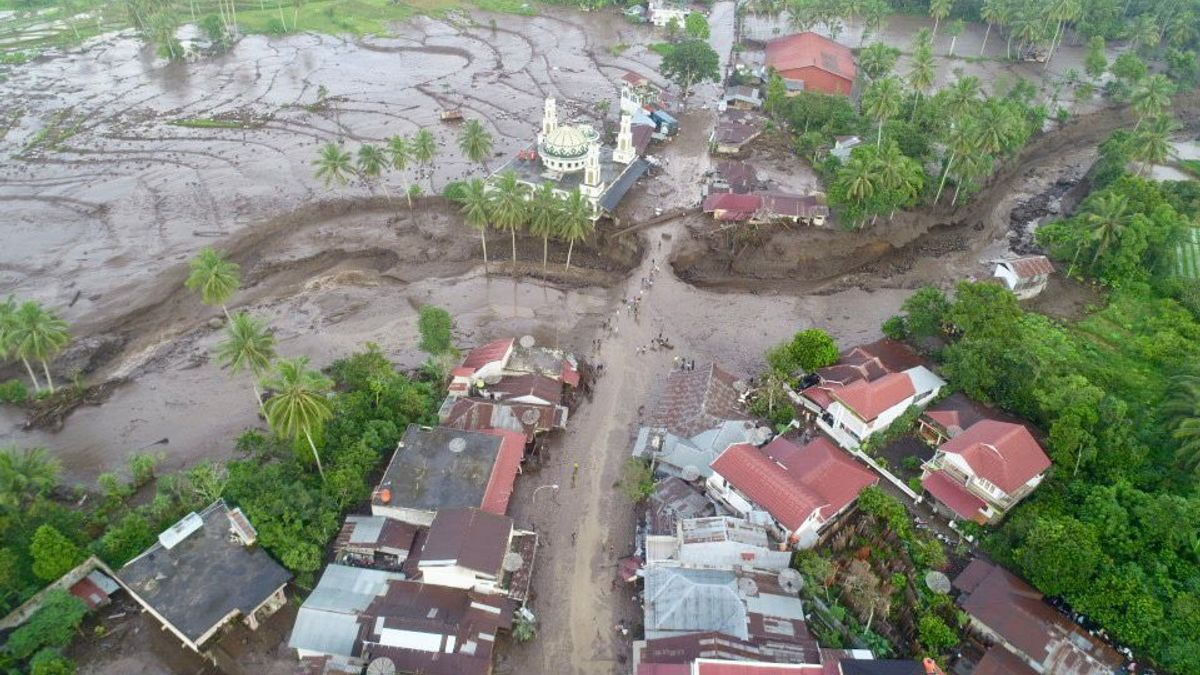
987, 485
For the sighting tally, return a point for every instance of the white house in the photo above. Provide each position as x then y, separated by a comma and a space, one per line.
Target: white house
1026, 277
719, 542
858, 410
794, 491
662, 12
984, 471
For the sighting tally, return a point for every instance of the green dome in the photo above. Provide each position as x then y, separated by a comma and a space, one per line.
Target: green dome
569, 142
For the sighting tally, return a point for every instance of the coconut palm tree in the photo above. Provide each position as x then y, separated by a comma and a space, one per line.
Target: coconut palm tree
214, 278
897, 172
8, 313
999, 128
298, 408
964, 139
881, 102
424, 150
1151, 96
1061, 12
477, 211
25, 474
962, 97
939, 9
992, 12
510, 207
544, 216
1151, 144
400, 150
877, 59
1107, 218
921, 74
333, 165
248, 345
577, 222
476, 143
38, 335
971, 167
1183, 411
860, 177
371, 164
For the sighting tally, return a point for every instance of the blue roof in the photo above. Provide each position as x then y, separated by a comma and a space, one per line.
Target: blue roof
617, 191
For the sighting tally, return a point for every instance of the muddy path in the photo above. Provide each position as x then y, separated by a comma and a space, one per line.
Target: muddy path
901, 253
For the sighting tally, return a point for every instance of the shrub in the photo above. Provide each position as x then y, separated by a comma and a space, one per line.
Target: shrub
435, 325
51, 626
14, 391
51, 662
935, 634
53, 554
637, 479
141, 467
807, 350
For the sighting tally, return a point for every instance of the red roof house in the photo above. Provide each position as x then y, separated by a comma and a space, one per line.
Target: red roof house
869, 399
819, 63
982, 472
482, 360
802, 488
729, 206
504, 472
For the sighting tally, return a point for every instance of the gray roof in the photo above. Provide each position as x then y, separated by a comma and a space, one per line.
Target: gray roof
204, 577
328, 620
426, 474
682, 600
366, 528
698, 451
617, 189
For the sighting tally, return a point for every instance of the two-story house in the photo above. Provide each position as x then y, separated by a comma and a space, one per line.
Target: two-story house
471, 549
854, 412
795, 491
984, 471
721, 542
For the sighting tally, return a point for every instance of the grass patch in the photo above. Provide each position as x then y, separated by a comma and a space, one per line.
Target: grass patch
1187, 255
618, 49
662, 48
214, 123
62, 125
17, 58
1191, 166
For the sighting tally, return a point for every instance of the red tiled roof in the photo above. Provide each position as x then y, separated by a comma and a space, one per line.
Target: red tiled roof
734, 206
1031, 266
792, 482
869, 399
1005, 454
793, 206
485, 354
706, 667
664, 669
954, 496
539, 386
804, 50
1000, 661
504, 471
91, 594
570, 375
462, 371
694, 401
635, 79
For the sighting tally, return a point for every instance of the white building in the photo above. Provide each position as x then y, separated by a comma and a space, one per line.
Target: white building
1025, 277
662, 12
719, 542
863, 408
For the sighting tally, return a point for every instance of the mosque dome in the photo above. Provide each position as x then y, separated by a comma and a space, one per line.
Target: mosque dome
569, 141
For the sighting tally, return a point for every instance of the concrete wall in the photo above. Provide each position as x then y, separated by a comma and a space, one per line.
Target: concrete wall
21, 614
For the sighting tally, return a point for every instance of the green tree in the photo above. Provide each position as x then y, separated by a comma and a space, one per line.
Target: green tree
921, 74
577, 221
214, 278
333, 165
299, 406
51, 626
882, 102
926, 312
1060, 555
248, 345
510, 208
524, 627
51, 662
371, 164
808, 350
1183, 411
1151, 97
935, 635
993, 12
965, 139
424, 151
477, 210
545, 215
39, 335
435, 326
777, 100
1106, 218
696, 26
400, 150
878, 59
53, 554
939, 9
1151, 144
25, 475
1096, 61
1129, 67
954, 30
691, 62
476, 143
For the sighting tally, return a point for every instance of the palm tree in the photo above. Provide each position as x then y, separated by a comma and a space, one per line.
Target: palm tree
401, 152
25, 474
333, 164
971, 167
992, 12
920, 76
299, 407
939, 9
962, 97
248, 345
371, 163
999, 128
860, 177
1151, 96
882, 102
1107, 218
424, 149
1151, 144
964, 140
214, 277
477, 211
509, 207
877, 59
895, 171
476, 143
8, 315
1183, 409
39, 335
577, 222
1061, 12
545, 214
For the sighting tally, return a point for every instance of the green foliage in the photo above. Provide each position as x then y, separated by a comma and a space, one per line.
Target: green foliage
637, 480
53, 554
925, 312
696, 26
14, 392
807, 350
935, 635
141, 468
51, 662
524, 628
691, 62
1096, 61
51, 626
1060, 555
125, 539
435, 326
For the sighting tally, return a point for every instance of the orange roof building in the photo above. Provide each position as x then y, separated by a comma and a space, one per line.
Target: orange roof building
812, 62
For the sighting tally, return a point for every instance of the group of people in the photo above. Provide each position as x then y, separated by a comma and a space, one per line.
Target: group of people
685, 364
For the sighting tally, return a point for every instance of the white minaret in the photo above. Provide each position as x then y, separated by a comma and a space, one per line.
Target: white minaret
624, 153
592, 186
549, 119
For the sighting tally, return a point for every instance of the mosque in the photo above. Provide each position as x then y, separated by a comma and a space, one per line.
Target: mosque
573, 156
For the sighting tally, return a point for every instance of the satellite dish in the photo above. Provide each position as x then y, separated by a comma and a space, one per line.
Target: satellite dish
690, 473
530, 416
791, 580
512, 562
527, 341
747, 586
457, 445
937, 582
381, 666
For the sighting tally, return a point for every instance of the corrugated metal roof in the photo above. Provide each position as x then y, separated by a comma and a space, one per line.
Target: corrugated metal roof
680, 600
326, 632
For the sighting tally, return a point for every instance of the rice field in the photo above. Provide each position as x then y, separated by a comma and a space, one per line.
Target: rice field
1187, 255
